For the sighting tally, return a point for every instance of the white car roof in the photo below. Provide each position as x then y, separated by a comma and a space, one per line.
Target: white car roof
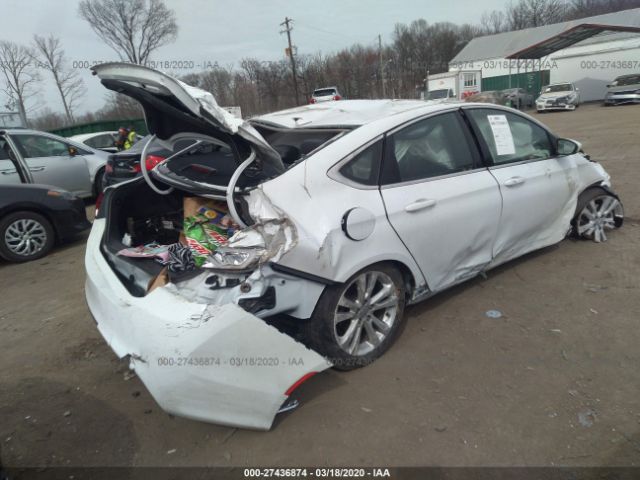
345, 113
85, 136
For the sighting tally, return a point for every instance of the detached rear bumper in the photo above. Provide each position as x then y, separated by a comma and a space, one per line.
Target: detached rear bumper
215, 363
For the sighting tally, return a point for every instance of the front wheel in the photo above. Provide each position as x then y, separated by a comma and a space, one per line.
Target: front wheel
25, 236
356, 322
597, 211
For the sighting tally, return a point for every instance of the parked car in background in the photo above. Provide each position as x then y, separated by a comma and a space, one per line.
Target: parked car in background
33, 218
326, 94
624, 89
104, 141
519, 98
559, 96
495, 97
29, 156
125, 165
335, 216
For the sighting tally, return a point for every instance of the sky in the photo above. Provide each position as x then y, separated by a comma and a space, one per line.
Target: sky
226, 31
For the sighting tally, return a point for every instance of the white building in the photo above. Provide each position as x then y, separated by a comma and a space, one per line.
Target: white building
590, 52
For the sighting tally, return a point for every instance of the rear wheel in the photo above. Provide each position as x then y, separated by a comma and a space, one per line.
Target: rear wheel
356, 322
597, 212
25, 236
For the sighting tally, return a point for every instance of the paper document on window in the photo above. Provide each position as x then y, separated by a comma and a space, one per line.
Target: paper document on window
502, 134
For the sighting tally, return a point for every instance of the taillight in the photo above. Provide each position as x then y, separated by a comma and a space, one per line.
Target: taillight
152, 161
299, 382
313, 100
337, 97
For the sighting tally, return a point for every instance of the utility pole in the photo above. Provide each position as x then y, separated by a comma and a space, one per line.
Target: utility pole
287, 30
384, 90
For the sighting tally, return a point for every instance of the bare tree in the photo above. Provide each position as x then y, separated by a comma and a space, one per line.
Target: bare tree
50, 56
133, 28
493, 22
20, 75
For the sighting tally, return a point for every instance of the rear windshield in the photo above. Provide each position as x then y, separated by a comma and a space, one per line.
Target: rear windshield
565, 87
631, 80
323, 92
295, 144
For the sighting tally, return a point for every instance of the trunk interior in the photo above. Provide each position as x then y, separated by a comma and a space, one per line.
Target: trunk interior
136, 211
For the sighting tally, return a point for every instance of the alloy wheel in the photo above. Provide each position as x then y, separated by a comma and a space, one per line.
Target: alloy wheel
366, 312
597, 216
25, 237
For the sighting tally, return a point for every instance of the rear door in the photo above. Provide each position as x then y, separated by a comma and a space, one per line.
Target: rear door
50, 162
441, 201
537, 187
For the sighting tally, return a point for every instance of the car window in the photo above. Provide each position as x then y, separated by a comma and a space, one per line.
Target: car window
428, 148
365, 166
100, 141
510, 137
34, 146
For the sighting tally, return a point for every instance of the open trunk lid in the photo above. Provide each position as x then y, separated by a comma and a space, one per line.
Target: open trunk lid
174, 110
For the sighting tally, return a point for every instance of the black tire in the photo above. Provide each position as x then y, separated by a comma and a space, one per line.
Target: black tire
584, 199
45, 227
98, 183
319, 333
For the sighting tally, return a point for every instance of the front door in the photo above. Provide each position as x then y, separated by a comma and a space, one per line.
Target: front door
537, 187
50, 162
442, 203
9, 174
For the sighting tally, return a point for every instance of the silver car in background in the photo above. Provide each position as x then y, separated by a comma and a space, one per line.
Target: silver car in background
31, 156
518, 97
558, 96
624, 89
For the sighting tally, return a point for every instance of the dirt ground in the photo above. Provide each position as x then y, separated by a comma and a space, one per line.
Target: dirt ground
553, 382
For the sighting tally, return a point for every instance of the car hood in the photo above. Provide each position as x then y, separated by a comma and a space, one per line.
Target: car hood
172, 107
552, 95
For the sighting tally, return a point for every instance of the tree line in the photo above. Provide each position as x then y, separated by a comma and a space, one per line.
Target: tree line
135, 29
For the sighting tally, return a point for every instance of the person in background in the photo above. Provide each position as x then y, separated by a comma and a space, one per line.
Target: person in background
131, 137
122, 137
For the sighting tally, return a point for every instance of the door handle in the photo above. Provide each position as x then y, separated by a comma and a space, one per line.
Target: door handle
420, 204
9, 172
37, 169
513, 181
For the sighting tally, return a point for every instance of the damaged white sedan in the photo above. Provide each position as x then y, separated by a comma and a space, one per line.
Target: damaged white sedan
262, 252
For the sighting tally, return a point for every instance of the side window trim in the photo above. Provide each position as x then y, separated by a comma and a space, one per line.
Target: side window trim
484, 148
334, 171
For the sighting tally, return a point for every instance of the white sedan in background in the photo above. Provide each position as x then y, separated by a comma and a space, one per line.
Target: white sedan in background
344, 213
559, 96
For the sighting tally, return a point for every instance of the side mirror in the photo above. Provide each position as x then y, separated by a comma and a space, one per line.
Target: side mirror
565, 146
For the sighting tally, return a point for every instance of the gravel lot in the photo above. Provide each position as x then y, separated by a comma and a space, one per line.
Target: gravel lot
553, 382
